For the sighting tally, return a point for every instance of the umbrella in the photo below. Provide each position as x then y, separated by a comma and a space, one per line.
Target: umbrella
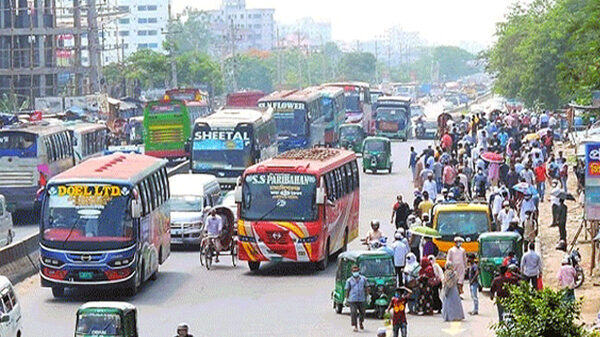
425, 231
492, 157
522, 187
566, 196
532, 136
543, 131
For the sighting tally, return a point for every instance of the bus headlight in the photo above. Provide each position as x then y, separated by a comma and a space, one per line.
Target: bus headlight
52, 262
118, 263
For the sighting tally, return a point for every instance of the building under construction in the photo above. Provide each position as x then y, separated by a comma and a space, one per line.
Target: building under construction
51, 47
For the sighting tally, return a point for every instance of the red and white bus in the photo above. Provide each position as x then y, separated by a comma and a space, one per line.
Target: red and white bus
357, 101
302, 205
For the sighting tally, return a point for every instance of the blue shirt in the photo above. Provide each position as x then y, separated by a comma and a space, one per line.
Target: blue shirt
357, 288
413, 159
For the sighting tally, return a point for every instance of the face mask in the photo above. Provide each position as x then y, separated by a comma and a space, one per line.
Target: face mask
355, 273
458, 244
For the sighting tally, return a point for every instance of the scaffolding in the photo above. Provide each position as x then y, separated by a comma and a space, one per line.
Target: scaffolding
52, 47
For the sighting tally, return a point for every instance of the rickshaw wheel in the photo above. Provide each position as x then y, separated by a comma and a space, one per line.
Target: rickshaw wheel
208, 257
201, 254
233, 253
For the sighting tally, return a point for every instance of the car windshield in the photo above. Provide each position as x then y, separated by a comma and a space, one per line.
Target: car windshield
279, 196
186, 203
376, 267
374, 146
15, 143
391, 114
87, 213
98, 324
352, 101
497, 248
462, 223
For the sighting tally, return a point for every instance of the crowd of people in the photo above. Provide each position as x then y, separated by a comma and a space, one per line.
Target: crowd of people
505, 159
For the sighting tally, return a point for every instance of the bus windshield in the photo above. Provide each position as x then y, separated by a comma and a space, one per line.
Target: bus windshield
351, 131
279, 197
161, 108
18, 143
391, 114
98, 324
221, 148
197, 111
467, 224
84, 213
328, 107
292, 123
352, 101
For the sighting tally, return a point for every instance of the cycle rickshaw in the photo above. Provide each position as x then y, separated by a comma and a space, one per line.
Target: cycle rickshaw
226, 243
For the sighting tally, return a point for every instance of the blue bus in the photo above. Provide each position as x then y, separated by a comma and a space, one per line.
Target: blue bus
105, 223
298, 116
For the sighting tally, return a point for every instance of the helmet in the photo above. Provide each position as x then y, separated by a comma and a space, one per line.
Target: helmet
375, 223
181, 326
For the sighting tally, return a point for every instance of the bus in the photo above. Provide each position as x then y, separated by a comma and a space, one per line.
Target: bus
105, 223
332, 107
167, 126
196, 101
302, 205
244, 98
89, 140
298, 116
357, 102
392, 117
30, 154
227, 142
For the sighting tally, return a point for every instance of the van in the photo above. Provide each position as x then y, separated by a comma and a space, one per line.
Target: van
7, 233
11, 324
191, 195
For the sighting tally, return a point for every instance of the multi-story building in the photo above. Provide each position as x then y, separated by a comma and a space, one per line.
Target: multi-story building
235, 26
142, 26
308, 30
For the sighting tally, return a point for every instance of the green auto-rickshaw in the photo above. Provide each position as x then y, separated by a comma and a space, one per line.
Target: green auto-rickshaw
351, 137
377, 154
493, 248
377, 267
100, 319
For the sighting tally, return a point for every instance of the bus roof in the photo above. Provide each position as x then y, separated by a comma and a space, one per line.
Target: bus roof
84, 126
127, 168
394, 99
331, 91
296, 95
461, 207
234, 116
38, 128
312, 160
349, 84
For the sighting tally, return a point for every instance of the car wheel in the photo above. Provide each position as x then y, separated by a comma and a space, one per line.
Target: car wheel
58, 292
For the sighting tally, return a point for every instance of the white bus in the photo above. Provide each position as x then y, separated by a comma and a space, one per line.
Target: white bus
89, 140
30, 154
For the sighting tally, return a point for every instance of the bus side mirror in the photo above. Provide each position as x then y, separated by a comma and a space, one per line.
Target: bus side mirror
320, 196
4, 318
237, 194
136, 209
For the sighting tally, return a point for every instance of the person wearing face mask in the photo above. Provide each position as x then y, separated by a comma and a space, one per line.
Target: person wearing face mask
397, 309
480, 183
554, 193
506, 216
357, 289
528, 204
458, 257
182, 330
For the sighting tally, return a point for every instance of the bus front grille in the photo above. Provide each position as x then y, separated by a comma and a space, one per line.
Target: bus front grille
16, 178
167, 135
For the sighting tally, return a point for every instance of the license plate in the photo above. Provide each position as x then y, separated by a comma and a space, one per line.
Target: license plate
86, 275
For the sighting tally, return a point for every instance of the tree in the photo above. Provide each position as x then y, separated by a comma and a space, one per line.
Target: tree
148, 67
252, 71
190, 31
357, 66
195, 68
11, 103
454, 62
542, 313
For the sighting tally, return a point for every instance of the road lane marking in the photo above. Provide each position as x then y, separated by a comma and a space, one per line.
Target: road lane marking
455, 329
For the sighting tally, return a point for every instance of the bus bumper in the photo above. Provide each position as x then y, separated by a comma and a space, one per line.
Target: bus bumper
167, 153
292, 252
19, 198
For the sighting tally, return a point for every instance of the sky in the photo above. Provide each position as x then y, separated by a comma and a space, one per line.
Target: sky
438, 21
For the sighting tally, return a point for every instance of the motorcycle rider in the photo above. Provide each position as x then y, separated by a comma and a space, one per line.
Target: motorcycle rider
374, 234
182, 330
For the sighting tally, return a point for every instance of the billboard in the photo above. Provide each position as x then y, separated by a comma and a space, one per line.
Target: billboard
592, 181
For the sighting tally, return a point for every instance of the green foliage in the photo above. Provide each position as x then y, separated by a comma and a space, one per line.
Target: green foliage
194, 68
148, 67
454, 62
357, 67
11, 103
190, 31
539, 314
547, 53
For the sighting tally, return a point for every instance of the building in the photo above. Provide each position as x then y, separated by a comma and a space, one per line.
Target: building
238, 28
307, 31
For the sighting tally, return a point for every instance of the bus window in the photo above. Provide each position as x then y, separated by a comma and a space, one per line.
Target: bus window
152, 190
355, 174
155, 191
349, 179
144, 196
338, 180
166, 182
53, 148
160, 188
329, 187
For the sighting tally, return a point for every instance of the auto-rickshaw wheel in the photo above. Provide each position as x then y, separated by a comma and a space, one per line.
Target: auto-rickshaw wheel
338, 307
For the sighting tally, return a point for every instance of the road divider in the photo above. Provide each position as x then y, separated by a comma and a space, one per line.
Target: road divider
20, 259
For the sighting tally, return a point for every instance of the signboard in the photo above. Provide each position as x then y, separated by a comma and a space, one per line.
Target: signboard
49, 104
89, 195
283, 106
221, 139
592, 181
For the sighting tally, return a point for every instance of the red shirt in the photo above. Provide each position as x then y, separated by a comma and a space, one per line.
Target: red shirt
446, 141
398, 307
540, 173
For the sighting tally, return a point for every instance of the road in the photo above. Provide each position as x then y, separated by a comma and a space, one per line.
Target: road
282, 299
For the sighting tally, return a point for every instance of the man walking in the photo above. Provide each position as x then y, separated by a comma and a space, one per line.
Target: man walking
458, 257
531, 266
400, 213
561, 219
412, 163
357, 288
499, 291
401, 249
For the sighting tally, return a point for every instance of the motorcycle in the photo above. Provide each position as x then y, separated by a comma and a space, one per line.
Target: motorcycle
374, 244
574, 260
420, 130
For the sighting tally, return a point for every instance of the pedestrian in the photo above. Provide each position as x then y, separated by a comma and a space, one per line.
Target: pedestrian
418, 184
540, 179
430, 187
429, 248
452, 309
510, 259
458, 257
554, 193
416, 201
183, 330
561, 219
473, 274
400, 251
411, 275
439, 274
412, 163
397, 307
566, 279
531, 266
506, 216
528, 204
357, 288
400, 212
480, 183
563, 171
530, 229
426, 205
499, 289
425, 281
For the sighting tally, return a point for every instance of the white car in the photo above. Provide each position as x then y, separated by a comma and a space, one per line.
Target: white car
11, 323
228, 201
7, 233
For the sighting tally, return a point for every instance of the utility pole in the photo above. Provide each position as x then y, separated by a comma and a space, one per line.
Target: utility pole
279, 72
172, 57
92, 18
376, 63
233, 40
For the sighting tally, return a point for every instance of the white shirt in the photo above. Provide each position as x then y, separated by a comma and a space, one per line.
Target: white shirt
527, 205
497, 204
506, 218
400, 251
554, 195
431, 187
214, 225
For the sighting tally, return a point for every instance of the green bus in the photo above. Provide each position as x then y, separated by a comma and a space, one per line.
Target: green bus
392, 117
168, 125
